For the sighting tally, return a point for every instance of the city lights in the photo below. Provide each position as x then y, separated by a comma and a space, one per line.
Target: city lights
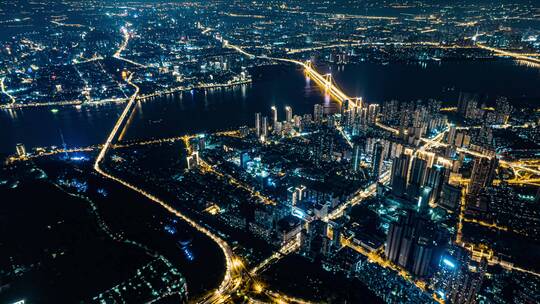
268, 151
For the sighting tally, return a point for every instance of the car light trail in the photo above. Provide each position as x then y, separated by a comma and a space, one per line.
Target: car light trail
228, 285
4, 90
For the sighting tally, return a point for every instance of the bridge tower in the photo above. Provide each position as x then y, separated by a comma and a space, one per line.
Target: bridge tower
328, 81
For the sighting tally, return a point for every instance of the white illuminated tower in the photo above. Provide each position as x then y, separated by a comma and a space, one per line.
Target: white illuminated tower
274, 116
288, 114
21, 150
264, 131
258, 124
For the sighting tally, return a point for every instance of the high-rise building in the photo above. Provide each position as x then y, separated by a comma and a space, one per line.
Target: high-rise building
292, 196
390, 111
337, 230
21, 150
348, 116
258, 124
244, 159
451, 136
471, 112
462, 140
437, 176
323, 146
396, 150
467, 104
192, 160
422, 256
485, 136
278, 127
314, 242
244, 131
377, 160
318, 111
397, 231
482, 175
296, 194
504, 109
264, 127
405, 249
302, 192
288, 114
417, 176
361, 119
465, 284
201, 144
400, 171
373, 112
274, 116
423, 199
450, 197
263, 223
410, 243
320, 210
462, 103
297, 119
356, 157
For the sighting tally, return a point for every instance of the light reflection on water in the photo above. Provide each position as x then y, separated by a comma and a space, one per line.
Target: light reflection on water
223, 108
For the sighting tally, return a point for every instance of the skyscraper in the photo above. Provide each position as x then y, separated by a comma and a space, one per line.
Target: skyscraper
373, 112
258, 124
274, 116
377, 160
192, 160
323, 146
437, 176
465, 102
314, 241
400, 170
296, 194
422, 256
451, 136
464, 285
410, 243
423, 199
244, 159
356, 157
418, 173
21, 150
485, 135
318, 113
264, 126
504, 109
288, 113
201, 144
450, 196
397, 232
337, 229
482, 175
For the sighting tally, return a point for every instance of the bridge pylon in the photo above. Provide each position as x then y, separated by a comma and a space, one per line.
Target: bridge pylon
328, 81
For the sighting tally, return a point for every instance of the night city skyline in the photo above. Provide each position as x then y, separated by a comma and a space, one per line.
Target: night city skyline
269, 151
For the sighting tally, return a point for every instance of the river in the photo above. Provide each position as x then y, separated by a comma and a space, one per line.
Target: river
279, 85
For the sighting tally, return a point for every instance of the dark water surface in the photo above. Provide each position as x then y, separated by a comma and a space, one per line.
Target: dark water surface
198, 111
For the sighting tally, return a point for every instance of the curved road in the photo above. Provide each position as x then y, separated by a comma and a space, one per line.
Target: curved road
229, 283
